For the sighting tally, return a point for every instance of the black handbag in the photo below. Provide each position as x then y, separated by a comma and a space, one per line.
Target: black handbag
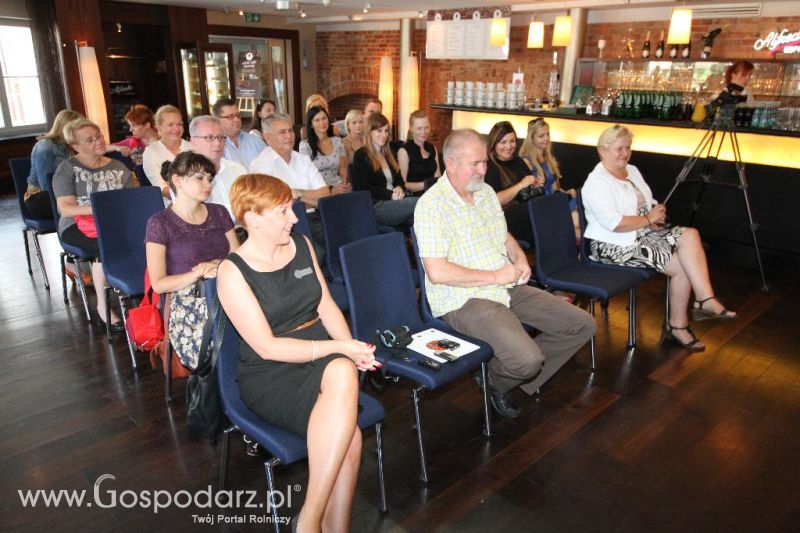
204, 415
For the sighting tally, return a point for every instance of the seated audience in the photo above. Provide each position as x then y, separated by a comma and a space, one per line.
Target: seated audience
628, 227
537, 153
418, 159
293, 168
354, 123
186, 241
376, 170
511, 179
264, 109
205, 134
239, 146
48, 152
298, 361
169, 124
320, 101
325, 150
372, 106
477, 275
142, 124
75, 179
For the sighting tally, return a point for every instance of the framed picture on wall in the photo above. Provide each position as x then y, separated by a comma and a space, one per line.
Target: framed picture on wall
581, 92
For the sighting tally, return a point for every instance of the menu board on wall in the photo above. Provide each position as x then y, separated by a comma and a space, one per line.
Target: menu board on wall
462, 39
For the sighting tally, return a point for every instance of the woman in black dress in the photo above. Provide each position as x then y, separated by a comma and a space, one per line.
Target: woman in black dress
418, 159
508, 174
298, 362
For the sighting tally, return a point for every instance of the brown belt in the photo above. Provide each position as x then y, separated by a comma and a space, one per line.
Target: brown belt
304, 325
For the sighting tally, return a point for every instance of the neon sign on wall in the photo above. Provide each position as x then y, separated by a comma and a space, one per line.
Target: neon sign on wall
783, 41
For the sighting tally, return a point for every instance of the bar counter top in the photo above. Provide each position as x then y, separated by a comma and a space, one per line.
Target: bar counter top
759, 146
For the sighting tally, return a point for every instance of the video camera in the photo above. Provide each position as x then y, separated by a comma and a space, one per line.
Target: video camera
726, 96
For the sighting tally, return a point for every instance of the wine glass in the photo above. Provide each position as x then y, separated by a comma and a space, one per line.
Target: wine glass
601, 45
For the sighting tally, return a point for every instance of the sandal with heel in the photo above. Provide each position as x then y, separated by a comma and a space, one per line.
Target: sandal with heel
700, 313
693, 345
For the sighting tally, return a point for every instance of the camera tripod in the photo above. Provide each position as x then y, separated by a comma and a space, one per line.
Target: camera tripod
719, 127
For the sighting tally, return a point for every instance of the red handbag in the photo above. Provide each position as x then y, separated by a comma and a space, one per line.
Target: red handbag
161, 349
86, 225
144, 322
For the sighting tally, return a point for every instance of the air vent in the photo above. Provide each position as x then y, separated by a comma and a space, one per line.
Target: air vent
749, 10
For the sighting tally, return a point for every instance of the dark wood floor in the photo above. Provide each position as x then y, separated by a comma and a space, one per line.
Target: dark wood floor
661, 441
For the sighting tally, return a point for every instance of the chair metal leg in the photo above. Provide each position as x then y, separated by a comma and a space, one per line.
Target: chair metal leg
223, 457
123, 309
107, 290
82, 289
632, 319
604, 309
591, 341
418, 426
168, 383
379, 449
64, 276
268, 466
487, 414
666, 306
41, 260
27, 249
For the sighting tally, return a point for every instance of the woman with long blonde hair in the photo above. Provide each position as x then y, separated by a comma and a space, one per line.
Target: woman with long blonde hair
375, 169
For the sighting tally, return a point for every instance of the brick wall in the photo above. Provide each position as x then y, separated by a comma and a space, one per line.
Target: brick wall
348, 61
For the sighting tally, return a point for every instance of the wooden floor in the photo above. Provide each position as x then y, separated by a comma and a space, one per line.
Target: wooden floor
660, 441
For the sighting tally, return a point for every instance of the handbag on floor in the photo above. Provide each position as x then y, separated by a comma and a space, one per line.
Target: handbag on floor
144, 322
204, 415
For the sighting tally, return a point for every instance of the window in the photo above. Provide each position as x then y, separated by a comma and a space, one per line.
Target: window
21, 109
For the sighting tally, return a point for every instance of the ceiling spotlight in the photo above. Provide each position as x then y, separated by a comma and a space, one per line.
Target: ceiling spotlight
366, 7
119, 27
326, 3
241, 13
420, 14
302, 14
226, 10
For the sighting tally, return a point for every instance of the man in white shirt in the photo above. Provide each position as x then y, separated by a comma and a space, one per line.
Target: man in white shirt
295, 169
239, 146
207, 139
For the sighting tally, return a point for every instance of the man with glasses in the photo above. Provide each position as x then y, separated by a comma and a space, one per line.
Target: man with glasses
476, 277
207, 138
239, 146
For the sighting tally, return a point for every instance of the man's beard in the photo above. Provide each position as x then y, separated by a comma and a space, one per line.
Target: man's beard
475, 184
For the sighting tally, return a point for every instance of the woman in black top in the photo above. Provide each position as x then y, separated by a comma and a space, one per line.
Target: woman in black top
508, 174
376, 170
298, 361
418, 159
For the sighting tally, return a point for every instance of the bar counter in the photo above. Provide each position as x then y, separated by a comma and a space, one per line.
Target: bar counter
660, 151
758, 146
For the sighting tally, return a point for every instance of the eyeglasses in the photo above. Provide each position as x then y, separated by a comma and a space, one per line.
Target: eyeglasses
93, 140
231, 117
211, 138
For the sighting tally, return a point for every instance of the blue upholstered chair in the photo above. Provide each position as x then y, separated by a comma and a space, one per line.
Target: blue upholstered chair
121, 218
381, 292
283, 446
73, 254
558, 266
302, 227
20, 169
645, 273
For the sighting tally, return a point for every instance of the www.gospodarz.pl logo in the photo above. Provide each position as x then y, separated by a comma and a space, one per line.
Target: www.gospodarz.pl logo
156, 500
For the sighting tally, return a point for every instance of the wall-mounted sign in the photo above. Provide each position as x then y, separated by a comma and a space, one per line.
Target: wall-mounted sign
252, 17
783, 41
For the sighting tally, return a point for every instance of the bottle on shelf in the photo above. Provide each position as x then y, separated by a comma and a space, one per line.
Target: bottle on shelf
646, 46
660, 47
673, 51
686, 50
708, 42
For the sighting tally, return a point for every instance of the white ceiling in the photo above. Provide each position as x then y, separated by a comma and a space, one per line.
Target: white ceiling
344, 10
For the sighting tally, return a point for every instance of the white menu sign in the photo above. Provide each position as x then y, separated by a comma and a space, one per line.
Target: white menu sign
463, 39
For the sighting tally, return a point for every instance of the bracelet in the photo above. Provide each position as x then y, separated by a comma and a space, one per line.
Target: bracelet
313, 352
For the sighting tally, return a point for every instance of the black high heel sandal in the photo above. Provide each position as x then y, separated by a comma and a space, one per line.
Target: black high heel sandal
700, 313
693, 345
